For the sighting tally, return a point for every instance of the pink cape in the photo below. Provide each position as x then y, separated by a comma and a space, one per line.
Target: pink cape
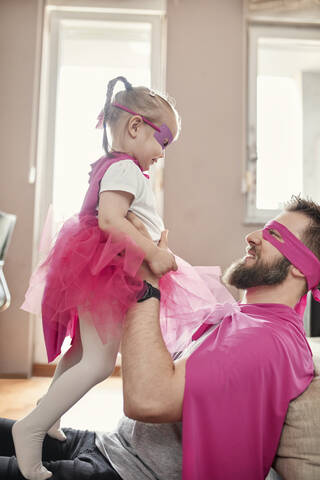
239, 383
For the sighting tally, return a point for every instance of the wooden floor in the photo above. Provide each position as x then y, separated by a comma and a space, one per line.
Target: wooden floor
99, 409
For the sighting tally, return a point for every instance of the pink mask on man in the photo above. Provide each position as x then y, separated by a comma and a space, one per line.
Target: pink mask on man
299, 255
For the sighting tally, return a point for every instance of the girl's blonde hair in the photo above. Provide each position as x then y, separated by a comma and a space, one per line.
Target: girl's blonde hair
142, 100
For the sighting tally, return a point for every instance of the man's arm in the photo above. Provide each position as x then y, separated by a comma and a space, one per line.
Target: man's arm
153, 385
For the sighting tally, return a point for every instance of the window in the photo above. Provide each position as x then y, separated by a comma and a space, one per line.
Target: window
283, 118
83, 51
90, 54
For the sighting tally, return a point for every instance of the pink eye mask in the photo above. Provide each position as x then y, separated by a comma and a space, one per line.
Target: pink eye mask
162, 134
299, 255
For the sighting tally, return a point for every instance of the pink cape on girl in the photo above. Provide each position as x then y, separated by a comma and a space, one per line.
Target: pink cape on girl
97, 271
239, 383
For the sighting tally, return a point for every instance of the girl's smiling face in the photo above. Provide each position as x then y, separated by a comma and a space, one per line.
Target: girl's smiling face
145, 140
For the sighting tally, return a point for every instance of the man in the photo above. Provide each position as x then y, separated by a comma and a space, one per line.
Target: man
232, 385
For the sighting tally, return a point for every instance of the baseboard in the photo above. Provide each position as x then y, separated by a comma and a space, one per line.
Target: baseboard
45, 370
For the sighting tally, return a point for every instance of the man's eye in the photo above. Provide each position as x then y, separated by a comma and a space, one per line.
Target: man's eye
275, 234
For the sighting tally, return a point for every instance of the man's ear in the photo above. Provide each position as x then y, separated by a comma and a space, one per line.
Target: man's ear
134, 124
296, 273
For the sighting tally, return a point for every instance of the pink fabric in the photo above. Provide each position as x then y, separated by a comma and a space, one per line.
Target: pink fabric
188, 297
295, 251
299, 255
126, 109
85, 267
98, 169
100, 120
162, 134
239, 383
99, 271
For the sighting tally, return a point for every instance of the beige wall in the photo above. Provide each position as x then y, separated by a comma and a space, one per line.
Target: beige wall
204, 208
17, 46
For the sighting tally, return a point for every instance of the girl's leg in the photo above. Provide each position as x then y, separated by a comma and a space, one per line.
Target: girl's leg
96, 364
69, 359
78, 458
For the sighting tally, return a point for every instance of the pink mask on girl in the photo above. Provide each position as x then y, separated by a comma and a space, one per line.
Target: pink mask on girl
162, 134
299, 255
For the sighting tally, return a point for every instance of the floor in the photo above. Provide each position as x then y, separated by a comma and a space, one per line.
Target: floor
99, 409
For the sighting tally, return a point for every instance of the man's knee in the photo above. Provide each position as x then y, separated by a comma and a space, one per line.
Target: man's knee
70, 469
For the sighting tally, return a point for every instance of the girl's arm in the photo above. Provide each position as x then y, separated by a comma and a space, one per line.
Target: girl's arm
113, 209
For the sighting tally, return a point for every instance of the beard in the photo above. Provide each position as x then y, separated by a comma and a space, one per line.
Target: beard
242, 276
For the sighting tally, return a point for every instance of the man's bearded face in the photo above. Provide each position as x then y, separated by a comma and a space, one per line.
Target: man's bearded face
251, 272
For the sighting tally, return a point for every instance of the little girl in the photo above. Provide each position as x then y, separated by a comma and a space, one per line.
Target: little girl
91, 273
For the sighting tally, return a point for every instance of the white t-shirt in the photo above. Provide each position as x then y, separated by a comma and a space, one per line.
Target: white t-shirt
126, 176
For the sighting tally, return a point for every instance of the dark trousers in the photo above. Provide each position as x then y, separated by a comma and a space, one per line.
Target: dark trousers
77, 458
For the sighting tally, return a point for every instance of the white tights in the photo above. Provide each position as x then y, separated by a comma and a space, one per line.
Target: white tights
84, 365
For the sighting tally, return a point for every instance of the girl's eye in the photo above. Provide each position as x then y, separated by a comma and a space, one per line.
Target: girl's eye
165, 142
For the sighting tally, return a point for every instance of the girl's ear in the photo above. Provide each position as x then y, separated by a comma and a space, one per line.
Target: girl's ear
134, 124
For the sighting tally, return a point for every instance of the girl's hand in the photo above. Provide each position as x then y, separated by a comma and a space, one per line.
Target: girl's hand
163, 261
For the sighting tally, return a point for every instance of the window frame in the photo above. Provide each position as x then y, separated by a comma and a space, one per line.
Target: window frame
54, 21
256, 30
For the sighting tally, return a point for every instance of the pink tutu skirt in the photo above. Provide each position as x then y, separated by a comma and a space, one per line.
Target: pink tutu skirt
97, 271
188, 298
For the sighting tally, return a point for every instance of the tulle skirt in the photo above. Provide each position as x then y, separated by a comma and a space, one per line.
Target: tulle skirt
92, 270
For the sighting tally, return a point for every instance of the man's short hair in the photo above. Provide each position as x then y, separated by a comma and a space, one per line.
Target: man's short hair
311, 235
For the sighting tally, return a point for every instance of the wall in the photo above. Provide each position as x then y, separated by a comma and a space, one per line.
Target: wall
18, 21
204, 207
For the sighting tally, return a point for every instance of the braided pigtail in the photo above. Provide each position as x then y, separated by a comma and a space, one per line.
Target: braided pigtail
106, 109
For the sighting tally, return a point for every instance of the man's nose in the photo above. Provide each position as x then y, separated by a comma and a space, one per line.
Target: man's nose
254, 237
